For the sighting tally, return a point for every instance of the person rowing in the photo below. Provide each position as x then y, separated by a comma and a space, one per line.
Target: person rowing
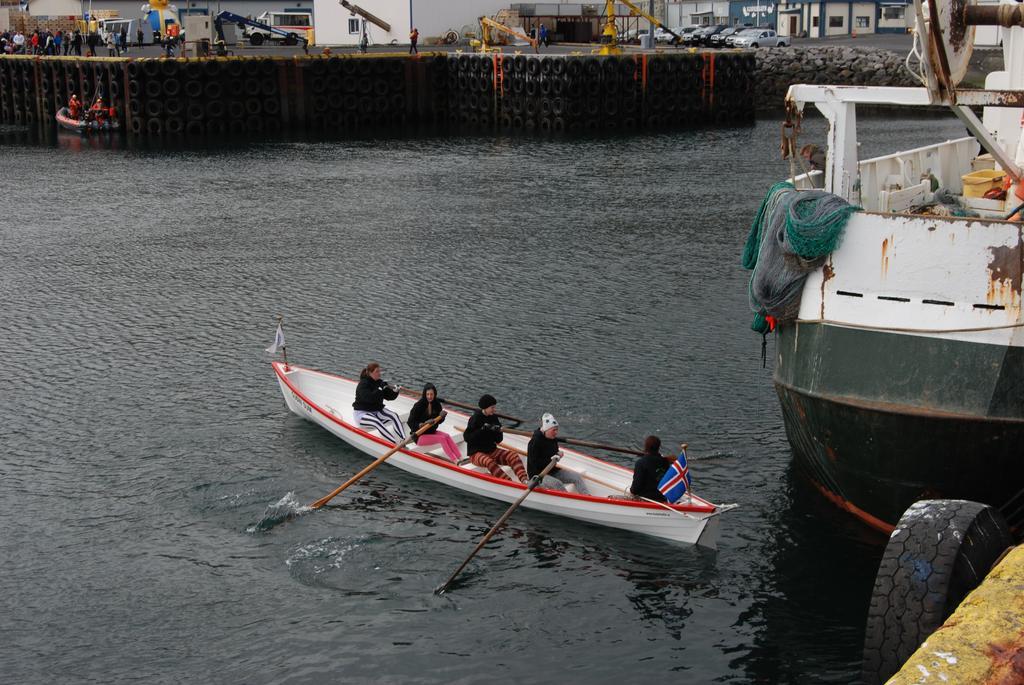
543, 446
428, 407
368, 409
483, 433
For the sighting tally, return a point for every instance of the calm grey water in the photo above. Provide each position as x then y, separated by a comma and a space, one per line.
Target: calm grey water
143, 432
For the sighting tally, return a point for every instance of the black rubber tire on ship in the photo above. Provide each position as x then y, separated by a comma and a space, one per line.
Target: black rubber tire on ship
939, 552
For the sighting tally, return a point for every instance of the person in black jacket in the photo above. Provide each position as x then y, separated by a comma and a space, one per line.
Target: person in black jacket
483, 433
543, 446
649, 470
369, 410
428, 407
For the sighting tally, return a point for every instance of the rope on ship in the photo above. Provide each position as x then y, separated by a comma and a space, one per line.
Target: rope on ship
792, 234
897, 329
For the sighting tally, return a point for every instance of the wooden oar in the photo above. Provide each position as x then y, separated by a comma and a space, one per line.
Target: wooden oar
534, 482
463, 405
580, 443
378, 461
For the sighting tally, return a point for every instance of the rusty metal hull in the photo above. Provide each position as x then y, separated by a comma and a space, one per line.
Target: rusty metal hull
879, 420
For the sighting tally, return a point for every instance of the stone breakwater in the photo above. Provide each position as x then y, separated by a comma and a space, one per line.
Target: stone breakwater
778, 69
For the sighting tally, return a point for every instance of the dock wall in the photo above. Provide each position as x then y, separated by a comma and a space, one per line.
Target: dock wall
983, 641
193, 97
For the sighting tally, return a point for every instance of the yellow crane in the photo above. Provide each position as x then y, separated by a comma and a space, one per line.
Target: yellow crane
610, 34
487, 25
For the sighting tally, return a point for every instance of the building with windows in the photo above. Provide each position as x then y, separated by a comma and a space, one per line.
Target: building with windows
810, 18
728, 12
692, 13
824, 18
335, 25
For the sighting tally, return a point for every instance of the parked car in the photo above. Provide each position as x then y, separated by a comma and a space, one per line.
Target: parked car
759, 38
717, 40
683, 32
632, 35
662, 36
705, 35
730, 41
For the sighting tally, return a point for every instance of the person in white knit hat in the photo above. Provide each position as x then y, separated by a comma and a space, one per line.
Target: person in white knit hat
543, 446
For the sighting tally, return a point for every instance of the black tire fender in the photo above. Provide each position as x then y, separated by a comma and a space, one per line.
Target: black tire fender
939, 552
213, 90
215, 109
174, 125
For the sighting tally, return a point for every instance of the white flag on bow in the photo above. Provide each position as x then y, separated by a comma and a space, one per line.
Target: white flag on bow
278, 341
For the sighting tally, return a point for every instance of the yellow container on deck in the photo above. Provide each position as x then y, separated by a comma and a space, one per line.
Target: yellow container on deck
979, 182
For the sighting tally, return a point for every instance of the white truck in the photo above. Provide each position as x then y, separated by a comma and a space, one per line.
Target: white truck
295, 25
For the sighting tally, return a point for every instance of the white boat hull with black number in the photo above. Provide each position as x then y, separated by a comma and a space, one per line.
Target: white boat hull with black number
326, 400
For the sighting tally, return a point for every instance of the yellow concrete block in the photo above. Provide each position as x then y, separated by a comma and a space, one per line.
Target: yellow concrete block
983, 641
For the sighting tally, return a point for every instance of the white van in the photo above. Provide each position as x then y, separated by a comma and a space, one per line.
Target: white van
296, 23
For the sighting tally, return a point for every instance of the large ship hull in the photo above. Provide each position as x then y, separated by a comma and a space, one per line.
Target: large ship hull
878, 420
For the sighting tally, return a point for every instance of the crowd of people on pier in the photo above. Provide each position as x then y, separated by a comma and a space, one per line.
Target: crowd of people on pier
77, 43
483, 437
63, 43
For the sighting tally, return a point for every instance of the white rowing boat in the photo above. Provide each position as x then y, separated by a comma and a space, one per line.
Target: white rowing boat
326, 400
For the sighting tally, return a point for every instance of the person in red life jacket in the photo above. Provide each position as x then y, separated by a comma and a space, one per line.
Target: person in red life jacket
414, 37
483, 433
99, 112
74, 107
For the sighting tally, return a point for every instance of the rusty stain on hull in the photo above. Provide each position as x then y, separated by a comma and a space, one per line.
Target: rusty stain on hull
828, 273
1006, 272
885, 257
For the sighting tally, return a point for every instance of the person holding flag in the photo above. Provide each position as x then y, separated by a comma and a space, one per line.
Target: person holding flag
650, 470
676, 481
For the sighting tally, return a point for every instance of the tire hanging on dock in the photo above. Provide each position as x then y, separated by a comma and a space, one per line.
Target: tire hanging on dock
939, 552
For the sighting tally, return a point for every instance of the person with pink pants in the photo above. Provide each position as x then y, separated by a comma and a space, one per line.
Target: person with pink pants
428, 407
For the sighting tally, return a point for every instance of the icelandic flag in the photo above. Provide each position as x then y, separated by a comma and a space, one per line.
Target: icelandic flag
278, 341
676, 481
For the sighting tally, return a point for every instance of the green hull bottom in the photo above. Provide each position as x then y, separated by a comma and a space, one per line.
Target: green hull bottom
879, 421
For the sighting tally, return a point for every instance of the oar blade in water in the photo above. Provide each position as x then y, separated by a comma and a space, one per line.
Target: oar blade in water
285, 509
